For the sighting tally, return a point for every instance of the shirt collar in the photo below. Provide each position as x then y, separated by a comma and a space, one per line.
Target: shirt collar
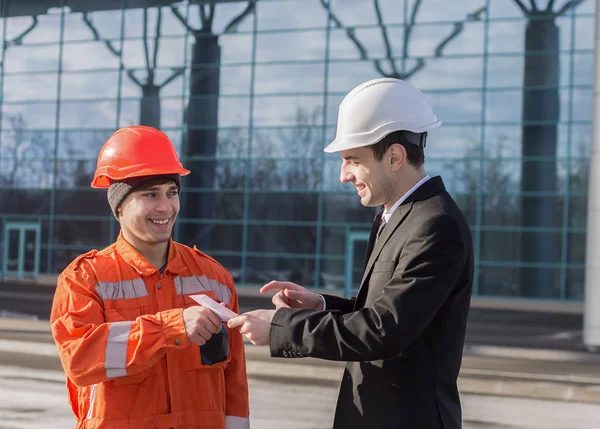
388, 214
141, 264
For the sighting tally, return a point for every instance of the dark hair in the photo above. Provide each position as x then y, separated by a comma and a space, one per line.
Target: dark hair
414, 154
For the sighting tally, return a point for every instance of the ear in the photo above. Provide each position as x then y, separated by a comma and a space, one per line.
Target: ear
397, 156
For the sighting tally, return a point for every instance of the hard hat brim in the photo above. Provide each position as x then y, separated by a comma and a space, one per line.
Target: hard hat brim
103, 180
354, 141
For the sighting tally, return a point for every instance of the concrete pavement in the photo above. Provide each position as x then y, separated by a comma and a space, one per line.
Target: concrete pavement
487, 370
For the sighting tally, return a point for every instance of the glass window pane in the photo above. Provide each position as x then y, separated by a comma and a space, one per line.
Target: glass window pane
31, 58
500, 245
28, 203
498, 281
46, 30
106, 23
234, 49
38, 115
275, 174
450, 74
456, 107
82, 144
77, 174
90, 56
286, 110
290, 14
25, 156
576, 284
293, 46
224, 15
583, 69
82, 201
81, 86
366, 42
577, 248
80, 114
235, 80
584, 28
229, 174
289, 78
30, 87
296, 206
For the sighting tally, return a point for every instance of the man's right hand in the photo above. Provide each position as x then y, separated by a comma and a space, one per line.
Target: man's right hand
291, 295
200, 324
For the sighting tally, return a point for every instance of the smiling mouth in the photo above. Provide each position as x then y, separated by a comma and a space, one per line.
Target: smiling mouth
160, 222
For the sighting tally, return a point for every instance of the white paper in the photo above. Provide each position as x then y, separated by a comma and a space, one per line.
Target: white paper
206, 301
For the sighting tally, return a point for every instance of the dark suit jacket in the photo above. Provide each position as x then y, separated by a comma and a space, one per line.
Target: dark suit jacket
403, 335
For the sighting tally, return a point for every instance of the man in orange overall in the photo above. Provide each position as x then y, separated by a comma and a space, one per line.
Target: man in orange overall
137, 350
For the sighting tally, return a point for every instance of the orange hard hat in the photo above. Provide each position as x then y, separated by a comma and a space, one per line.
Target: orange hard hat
136, 151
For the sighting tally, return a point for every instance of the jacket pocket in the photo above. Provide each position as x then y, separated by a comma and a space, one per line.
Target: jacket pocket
215, 351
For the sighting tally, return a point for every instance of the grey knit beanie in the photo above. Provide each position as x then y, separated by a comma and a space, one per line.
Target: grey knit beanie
118, 190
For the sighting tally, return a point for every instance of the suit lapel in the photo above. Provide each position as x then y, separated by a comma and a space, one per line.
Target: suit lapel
426, 190
397, 217
372, 236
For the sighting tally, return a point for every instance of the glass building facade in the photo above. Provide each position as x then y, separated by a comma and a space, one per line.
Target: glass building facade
249, 91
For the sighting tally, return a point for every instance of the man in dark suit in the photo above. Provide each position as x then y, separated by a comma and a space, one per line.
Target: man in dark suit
403, 335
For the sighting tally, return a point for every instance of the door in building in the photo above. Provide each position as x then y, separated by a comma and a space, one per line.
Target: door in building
356, 249
21, 250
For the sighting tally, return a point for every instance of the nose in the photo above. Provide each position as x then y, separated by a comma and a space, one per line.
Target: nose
345, 175
163, 205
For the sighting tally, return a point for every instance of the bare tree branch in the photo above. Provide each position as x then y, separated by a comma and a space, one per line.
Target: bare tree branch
157, 38
377, 64
458, 28
569, 5
550, 6
19, 39
533, 6
206, 17
420, 64
145, 40
522, 7
181, 19
386, 40
235, 22
178, 72
131, 74
408, 28
97, 36
349, 31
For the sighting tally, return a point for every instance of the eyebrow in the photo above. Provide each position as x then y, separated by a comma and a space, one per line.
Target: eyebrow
157, 188
350, 157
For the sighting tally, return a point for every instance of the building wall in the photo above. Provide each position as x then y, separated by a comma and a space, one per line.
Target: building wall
249, 94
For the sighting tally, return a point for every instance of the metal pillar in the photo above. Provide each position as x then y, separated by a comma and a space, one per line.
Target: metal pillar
591, 321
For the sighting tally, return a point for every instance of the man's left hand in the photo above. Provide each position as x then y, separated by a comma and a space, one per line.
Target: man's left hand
255, 325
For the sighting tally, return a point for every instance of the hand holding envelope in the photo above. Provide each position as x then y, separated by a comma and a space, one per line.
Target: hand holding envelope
255, 325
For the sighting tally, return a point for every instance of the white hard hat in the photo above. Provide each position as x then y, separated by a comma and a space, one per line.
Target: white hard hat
378, 107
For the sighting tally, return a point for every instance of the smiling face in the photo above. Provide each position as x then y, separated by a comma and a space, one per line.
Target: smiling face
373, 179
148, 213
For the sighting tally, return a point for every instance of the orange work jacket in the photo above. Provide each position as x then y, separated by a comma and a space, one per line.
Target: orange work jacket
121, 339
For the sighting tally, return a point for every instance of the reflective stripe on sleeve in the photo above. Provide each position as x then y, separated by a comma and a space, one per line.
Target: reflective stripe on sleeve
92, 398
124, 289
235, 422
116, 349
198, 284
